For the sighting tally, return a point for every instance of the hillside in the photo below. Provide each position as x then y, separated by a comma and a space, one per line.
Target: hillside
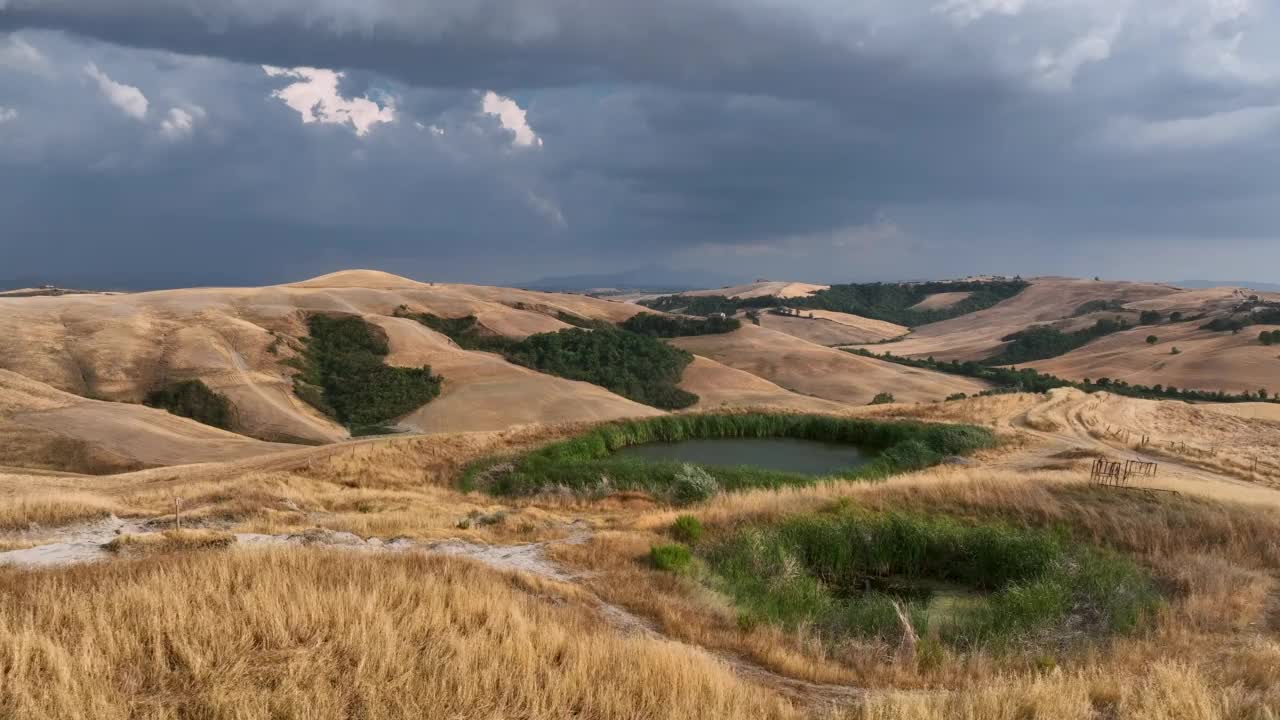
42, 427
810, 369
238, 340
976, 336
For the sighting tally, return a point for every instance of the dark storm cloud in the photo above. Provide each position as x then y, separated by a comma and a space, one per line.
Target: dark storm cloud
832, 139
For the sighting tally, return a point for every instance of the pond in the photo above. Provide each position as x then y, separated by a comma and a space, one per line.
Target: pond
805, 457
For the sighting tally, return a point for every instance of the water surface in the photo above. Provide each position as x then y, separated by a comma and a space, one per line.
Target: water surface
806, 457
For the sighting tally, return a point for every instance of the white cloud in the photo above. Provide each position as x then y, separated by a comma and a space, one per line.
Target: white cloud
181, 122
18, 54
967, 11
315, 97
512, 117
1194, 132
127, 98
547, 208
1057, 71
7, 114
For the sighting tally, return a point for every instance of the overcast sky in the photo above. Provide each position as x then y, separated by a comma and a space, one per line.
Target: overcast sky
152, 143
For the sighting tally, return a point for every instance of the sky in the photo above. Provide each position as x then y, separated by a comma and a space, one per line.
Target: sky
165, 143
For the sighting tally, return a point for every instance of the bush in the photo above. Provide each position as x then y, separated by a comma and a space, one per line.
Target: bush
957, 396
1269, 338
692, 484
343, 361
883, 398
687, 529
671, 558
636, 367
1152, 339
1150, 317
193, 399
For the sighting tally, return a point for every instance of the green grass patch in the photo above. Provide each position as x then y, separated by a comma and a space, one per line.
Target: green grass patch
193, 399
586, 464
671, 558
848, 572
344, 375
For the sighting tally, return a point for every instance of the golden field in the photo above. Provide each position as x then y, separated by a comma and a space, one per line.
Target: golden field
353, 579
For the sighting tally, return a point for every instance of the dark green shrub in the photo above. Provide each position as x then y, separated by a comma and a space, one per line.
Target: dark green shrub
193, 399
671, 558
1152, 339
1150, 317
883, 398
687, 529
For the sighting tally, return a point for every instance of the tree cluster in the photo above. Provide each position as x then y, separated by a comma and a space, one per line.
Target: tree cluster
193, 399
893, 302
1042, 341
465, 331
1009, 380
634, 366
670, 326
344, 374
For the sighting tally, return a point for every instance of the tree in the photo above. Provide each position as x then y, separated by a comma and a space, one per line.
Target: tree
1149, 317
1152, 339
1175, 316
883, 398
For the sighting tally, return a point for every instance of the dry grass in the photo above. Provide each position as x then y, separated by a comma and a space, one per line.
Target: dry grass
291, 633
1217, 560
54, 508
309, 634
1166, 690
170, 541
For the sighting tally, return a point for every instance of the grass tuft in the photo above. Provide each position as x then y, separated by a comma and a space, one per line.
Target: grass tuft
687, 529
671, 558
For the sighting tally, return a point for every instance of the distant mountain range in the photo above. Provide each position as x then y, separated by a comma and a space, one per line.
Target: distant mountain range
1251, 284
647, 278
